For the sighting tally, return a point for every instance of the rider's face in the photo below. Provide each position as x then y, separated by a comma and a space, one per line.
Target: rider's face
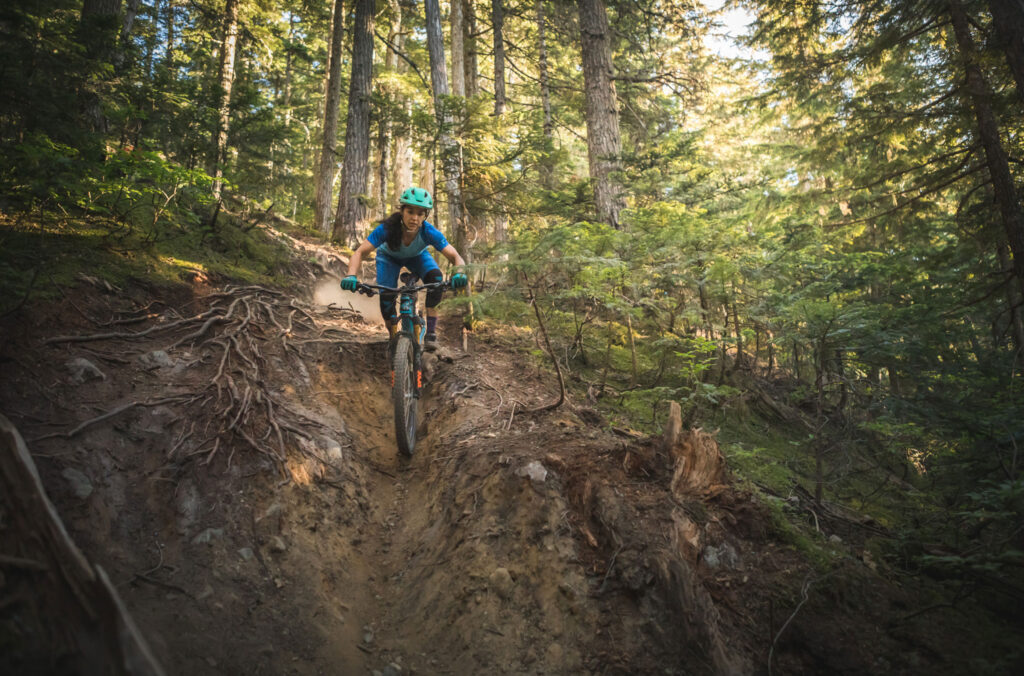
413, 217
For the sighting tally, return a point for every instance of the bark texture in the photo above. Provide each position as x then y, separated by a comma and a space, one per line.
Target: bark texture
385, 123
225, 80
546, 168
1008, 21
169, 25
332, 100
469, 43
1003, 188
498, 20
451, 152
351, 217
604, 143
131, 10
458, 39
699, 463
401, 170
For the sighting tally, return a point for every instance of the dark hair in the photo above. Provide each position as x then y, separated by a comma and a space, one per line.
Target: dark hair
393, 223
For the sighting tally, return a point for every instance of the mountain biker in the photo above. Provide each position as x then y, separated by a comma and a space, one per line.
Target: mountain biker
401, 240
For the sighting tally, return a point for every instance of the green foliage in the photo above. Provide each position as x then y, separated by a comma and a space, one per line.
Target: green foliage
813, 232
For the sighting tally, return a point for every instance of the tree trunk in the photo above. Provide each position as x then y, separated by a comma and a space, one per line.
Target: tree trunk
458, 37
98, 31
131, 10
383, 162
844, 390
401, 172
1016, 303
607, 362
99, 25
705, 308
796, 360
988, 130
451, 152
469, 42
498, 20
385, 145
288, 70
402, 163
476, 223
546, 167
169, 17
740, 358
1008, 21
277, 167
225, 80
350, 220
820, 366
332, 99
895, 381
604, 144
426, 180
632, 349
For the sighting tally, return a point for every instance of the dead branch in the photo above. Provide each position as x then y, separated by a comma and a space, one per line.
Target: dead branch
551, 354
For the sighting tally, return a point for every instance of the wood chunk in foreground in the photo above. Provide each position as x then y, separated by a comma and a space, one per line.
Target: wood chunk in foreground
79, 603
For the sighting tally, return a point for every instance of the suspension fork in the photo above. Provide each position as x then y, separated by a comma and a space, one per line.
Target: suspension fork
413, 326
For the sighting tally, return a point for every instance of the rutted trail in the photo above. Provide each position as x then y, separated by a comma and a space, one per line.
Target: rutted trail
509, 543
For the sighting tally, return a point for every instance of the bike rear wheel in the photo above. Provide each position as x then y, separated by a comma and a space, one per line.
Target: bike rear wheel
404, 394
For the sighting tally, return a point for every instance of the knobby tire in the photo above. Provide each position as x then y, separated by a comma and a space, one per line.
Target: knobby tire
404, 395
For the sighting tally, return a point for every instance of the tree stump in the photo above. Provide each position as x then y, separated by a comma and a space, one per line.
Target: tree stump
699, 464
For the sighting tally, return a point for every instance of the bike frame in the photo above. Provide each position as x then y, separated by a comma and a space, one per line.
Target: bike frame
406, 377
409, 319
411, 324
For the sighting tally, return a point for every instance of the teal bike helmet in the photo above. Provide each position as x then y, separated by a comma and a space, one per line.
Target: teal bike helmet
417, 197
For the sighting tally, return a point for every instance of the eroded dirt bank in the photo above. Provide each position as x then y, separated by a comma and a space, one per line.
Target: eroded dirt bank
250, 507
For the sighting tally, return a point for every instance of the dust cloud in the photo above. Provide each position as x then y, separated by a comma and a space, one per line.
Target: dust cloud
328, 291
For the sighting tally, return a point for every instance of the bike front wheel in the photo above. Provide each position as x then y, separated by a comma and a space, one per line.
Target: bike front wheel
404, 394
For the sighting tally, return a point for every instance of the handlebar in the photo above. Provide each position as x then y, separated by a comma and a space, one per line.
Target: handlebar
374, 289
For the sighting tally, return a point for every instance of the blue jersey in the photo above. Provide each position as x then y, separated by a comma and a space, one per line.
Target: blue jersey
428, 235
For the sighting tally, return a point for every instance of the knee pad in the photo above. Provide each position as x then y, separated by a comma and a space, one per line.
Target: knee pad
387, 306
434, 295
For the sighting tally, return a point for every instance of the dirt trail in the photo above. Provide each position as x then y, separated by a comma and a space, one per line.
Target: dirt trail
509, 543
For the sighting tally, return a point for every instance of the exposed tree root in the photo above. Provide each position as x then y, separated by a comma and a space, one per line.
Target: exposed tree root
235, 409
110, 414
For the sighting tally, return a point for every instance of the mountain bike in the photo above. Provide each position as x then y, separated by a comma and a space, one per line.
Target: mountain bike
406, 356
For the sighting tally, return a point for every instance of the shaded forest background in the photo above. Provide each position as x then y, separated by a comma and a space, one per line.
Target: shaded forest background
818, 248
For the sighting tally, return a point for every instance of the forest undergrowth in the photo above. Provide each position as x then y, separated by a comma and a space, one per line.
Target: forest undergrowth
766, 553
793, 231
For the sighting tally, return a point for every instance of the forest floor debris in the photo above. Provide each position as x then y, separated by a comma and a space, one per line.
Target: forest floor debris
266, 493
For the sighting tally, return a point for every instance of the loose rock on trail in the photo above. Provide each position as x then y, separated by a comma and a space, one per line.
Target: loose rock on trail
233, 471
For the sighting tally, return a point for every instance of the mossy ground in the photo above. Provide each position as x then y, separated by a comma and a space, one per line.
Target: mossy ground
40, 257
